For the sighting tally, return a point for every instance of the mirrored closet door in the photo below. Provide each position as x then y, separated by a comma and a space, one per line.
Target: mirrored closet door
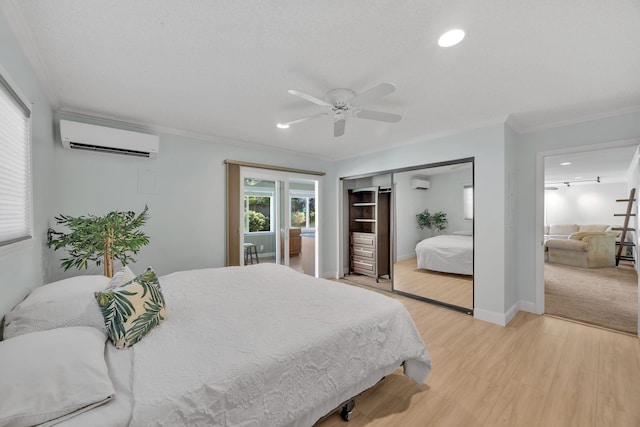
433, 228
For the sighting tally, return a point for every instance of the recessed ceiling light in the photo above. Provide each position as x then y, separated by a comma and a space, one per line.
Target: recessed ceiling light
282, 126
577, 177
565, 163
451, 38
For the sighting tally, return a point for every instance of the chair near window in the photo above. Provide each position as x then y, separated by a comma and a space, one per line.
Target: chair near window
250, 253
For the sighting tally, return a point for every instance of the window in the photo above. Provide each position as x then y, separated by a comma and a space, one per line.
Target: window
15, 166
258, 212
467, 201
303, 209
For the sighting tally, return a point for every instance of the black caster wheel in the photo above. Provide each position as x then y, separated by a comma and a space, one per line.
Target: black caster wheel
347, 410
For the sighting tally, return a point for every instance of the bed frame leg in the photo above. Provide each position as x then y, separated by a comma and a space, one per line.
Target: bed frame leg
347, 410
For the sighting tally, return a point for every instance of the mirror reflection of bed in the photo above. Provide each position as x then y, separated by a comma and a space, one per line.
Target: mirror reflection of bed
432, 264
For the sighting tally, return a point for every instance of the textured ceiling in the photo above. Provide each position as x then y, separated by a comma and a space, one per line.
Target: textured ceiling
221, 69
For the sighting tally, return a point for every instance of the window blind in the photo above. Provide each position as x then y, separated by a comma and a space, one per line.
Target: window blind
15, 166
467, 201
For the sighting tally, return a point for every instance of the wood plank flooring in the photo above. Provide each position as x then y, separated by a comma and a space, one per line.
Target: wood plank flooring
456, 289
537, 371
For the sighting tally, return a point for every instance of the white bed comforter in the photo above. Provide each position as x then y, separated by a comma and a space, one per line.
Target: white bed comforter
265, 346
448, 253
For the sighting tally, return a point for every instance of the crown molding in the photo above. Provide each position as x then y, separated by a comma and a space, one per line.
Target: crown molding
581, 119
514, 124
107, 120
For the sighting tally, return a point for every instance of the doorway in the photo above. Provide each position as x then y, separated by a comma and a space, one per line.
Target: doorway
585, 196
279, 219
280, 195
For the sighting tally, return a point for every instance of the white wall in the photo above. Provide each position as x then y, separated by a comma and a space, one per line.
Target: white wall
187, 212
585, 204
487, 146
619, 130
23, 266
445, 194
408, 203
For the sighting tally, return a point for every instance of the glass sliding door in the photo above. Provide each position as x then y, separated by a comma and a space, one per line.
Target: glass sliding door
279, 218
260, 222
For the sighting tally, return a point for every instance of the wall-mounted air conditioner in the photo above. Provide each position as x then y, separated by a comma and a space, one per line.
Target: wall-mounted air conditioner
82, 136
420, 184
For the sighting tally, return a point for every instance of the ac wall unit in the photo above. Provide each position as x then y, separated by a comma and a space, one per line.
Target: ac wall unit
82, 136
420, 184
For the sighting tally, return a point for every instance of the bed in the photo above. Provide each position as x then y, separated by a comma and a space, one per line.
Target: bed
260, 345
448, 253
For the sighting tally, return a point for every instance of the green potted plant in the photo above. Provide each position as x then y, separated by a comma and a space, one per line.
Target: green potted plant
433, 221
100, 239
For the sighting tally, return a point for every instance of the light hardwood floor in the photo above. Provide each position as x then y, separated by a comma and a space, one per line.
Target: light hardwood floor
456, 289
537, 371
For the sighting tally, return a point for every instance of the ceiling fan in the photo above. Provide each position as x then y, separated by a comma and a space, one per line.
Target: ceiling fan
344, 103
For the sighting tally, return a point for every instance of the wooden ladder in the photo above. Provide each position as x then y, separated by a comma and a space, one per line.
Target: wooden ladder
623, 243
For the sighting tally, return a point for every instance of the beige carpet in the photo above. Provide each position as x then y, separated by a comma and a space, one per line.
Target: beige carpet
605, 297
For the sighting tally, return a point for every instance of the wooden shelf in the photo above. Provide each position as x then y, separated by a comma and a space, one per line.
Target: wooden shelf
369, 231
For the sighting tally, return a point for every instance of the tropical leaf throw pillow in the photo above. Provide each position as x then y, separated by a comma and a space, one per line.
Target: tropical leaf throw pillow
131, 310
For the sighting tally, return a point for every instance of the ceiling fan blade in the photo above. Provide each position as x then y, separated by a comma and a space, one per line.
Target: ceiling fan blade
315, 116
338, 127
309, 98
378, 115
374, 93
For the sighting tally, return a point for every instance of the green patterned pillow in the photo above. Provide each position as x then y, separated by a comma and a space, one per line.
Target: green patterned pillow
131, 310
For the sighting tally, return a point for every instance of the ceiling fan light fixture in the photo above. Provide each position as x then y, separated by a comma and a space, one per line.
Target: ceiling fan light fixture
344, 104
451, 38
282, 126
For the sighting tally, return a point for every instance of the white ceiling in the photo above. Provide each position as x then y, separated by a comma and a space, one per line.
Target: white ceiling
610, 165
221, 69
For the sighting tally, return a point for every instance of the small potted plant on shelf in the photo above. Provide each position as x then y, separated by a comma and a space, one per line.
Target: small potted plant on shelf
100, 239
433, 221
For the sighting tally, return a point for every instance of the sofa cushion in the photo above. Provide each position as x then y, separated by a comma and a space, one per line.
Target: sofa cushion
568, 244
565, 229
582, 234
592, 227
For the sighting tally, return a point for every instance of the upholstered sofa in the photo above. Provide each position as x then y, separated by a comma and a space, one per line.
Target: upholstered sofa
563, 231
584, 249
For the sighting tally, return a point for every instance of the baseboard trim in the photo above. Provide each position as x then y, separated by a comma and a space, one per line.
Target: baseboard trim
405, 257
528, 306
329, 275
490, 316
503, 319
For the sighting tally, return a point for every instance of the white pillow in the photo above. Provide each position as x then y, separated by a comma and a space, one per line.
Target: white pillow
68, 302
53, 375
79, 285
